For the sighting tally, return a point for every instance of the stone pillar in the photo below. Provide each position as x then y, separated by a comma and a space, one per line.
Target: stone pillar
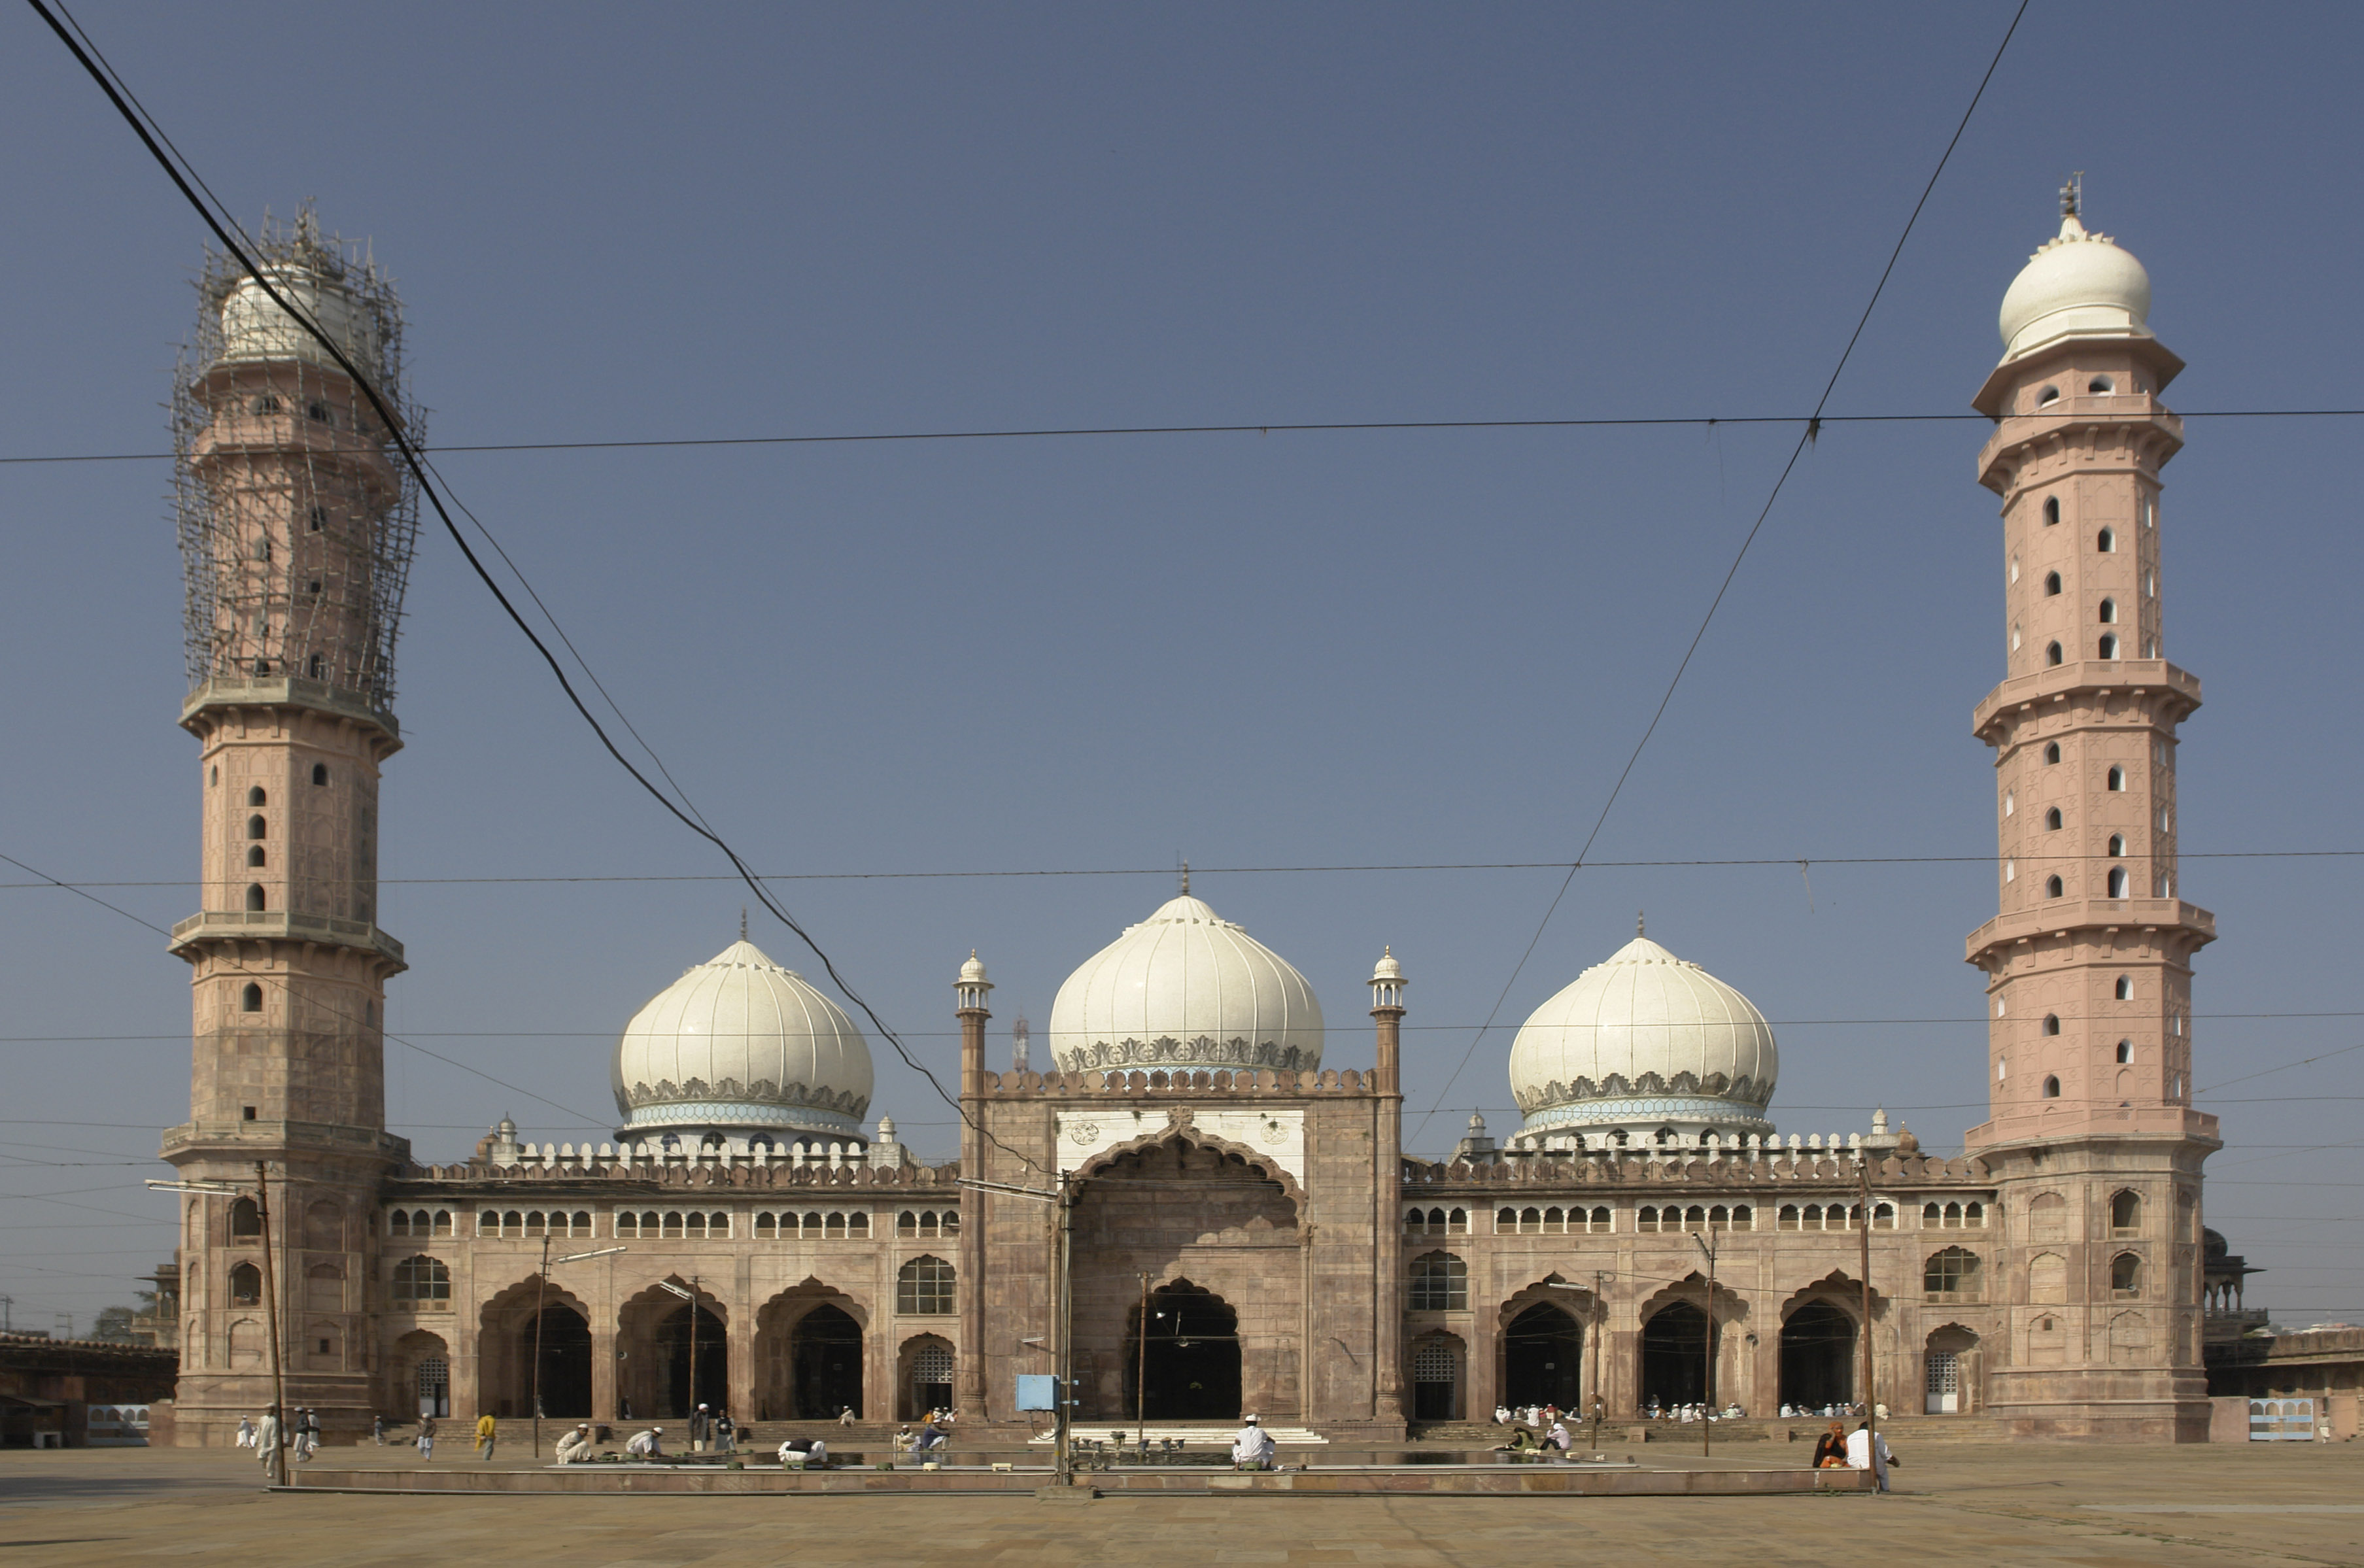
968, 1389
739, 1332
1386, 1203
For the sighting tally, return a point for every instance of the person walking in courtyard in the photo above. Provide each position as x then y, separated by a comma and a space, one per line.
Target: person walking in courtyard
427, 1436
267, 1437
377, 1430
484, 1434
246, 1431
726, 1432
699, 1426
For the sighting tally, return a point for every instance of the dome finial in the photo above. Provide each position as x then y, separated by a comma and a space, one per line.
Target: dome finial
1640, 925
1186, 875
742, 922
2072, 195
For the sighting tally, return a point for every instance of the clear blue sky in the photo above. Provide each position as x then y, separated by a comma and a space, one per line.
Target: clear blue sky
1281, 649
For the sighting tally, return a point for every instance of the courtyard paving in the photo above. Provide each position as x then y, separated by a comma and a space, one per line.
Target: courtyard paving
2034, 1504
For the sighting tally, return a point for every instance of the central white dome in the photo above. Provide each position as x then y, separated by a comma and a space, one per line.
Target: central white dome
1186, 988
1642, 1042
739, 1045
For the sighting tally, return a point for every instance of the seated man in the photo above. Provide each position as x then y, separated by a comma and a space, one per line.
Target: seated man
574, 1448
1251, 1446
930, 1443
649, 1444
799, 1454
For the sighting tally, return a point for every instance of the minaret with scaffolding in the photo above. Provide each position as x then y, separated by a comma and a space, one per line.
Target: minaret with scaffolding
297, 523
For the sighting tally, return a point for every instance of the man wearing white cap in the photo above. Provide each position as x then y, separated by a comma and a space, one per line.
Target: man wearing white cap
1251, 1446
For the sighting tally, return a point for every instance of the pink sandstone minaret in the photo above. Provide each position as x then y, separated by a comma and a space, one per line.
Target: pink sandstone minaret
2091, 1131
296, 528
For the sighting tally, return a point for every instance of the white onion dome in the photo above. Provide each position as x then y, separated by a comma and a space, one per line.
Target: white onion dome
974, 970
2078, 282
1644, 1042
1389, 970
1186, 988
740, 1044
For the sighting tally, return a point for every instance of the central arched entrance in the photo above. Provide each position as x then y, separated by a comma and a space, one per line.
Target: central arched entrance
1818, 1356
1543, 1359
825, 1363
565, 1362
1674, 1356
1186, 1366
711, 1360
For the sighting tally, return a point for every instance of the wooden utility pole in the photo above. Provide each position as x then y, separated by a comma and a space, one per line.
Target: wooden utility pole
1707, 1421
271, 1324
1871, 1403
1140, 1370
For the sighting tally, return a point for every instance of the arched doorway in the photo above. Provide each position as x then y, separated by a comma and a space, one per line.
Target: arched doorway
417, 1376
927, 1380
1189, 1367
1674, 1355
565, 1360
675, 1360
1436, 1378
1818, 1356
1948, 1372
1543, 1359
825, 1364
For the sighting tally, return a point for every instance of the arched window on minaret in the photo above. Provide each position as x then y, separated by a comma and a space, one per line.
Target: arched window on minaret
2051, 503
2109, 612
2125, 987
2109, 648
2052, 889
2052, 750
2118, 780
2052, 819
319, 772
2107, 543
254, 897
256, 797
254, 855
2051, 583
2051, 653
2051, 1023
251, 999
2118, 882
255, 826
2051, 1088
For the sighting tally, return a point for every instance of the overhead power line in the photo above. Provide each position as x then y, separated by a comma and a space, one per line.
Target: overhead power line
215, 216
1785, 862
1805, 438
1672, 421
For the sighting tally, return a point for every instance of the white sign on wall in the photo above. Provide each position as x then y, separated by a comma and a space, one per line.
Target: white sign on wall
1275, 1135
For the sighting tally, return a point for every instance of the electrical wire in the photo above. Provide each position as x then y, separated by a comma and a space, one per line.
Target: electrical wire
1806, 438
1319, 426
1784, 861
150, 133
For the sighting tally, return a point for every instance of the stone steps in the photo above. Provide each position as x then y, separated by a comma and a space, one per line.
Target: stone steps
1196, 1434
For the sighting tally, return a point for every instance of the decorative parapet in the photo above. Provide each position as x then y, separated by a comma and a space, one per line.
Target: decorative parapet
699, 1174
1724, 1175
1180, 1081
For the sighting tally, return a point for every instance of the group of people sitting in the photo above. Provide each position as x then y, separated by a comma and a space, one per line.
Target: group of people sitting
1693, 1412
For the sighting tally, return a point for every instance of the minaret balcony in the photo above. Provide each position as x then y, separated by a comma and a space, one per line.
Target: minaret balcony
2131, 677
289, 691
1989, 946
284, 925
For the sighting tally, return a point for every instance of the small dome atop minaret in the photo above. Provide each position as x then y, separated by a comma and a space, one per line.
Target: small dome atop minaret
2077, 283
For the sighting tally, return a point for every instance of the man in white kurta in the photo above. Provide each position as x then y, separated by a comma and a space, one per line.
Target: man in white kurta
1251, 1444
1866, 1450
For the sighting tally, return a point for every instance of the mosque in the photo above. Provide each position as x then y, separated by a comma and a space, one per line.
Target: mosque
1245, 1231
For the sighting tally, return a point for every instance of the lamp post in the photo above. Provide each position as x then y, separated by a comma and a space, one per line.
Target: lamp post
1870, 1405
541, 1294
1141, 1368
270, 1299
1599, 1328
1707, 1426
689, 1295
